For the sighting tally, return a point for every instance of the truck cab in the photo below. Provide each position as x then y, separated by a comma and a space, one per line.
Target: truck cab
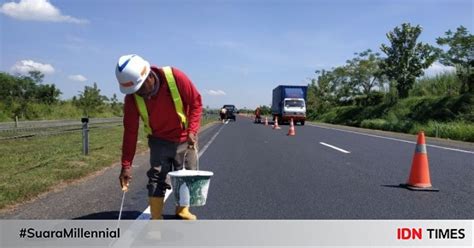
294, 108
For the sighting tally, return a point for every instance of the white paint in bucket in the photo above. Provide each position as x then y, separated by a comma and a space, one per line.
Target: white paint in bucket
191, 173
184, 195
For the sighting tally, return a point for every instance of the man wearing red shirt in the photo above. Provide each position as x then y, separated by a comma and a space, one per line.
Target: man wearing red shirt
170, 108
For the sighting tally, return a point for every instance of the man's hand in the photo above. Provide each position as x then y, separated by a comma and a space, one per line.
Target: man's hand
192, 140
125, 178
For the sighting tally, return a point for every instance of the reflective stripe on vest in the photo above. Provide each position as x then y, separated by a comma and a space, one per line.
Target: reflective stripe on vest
178, 103
143, 113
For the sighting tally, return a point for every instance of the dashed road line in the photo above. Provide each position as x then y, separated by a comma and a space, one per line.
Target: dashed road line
334, 147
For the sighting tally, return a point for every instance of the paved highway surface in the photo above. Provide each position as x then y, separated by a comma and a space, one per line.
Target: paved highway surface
259, 173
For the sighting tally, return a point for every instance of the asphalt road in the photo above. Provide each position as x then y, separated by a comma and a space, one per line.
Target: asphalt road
261, 173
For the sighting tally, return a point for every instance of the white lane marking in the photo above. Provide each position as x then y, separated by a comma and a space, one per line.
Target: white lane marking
334, 147
400, 140
451, 149
227, 122
210, 142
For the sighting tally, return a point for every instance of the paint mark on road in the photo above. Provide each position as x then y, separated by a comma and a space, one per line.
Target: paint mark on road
334, 147
204, 148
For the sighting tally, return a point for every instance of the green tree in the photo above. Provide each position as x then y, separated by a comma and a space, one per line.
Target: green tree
48, 94
90, 100
460, 55
115, 105
265, 110
341, 87
43, 93
18, 92
311, 100
333, 87
37, 76
364, 72
8, 87
321, 93
406, 59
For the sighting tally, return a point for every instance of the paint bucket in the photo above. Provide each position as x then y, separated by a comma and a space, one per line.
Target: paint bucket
190, 187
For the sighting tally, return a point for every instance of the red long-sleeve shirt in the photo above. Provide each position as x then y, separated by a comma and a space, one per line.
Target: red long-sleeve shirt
164, 121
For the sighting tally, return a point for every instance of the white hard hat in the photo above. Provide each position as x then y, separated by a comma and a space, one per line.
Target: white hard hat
131, 71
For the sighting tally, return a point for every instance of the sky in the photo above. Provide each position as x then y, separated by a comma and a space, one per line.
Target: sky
234, 51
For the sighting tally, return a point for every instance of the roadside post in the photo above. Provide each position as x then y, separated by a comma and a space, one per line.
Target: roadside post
85, 135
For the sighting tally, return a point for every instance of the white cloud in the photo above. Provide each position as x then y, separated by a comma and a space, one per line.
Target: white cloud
36, 10
25, 66
438, 68
216, 92
78, 77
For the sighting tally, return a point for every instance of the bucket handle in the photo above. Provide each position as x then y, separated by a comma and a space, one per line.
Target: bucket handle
195, 152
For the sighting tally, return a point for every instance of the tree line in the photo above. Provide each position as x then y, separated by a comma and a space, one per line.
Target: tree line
368, 78
28, 97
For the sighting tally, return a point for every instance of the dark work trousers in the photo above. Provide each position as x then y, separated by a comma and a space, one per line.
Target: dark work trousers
166, 156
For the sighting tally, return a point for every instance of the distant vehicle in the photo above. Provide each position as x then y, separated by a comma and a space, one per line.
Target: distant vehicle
231, 111
289, 102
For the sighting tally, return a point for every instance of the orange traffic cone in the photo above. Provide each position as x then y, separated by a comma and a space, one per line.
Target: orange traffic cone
420, 172
275, 124
266, 121
291, 132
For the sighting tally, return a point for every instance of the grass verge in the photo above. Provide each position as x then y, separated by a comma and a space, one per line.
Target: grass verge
35, 165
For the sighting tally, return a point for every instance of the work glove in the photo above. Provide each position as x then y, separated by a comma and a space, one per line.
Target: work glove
125, 178
192, 140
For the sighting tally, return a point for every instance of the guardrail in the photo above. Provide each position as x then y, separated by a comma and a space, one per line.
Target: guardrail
5, 126
28, 129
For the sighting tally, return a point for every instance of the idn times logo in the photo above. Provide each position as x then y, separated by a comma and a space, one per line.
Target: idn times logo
409, 233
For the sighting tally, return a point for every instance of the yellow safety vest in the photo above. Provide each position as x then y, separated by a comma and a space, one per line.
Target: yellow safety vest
178, 103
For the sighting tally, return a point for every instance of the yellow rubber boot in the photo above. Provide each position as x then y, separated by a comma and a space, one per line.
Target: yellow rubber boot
156, 207
183, 213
